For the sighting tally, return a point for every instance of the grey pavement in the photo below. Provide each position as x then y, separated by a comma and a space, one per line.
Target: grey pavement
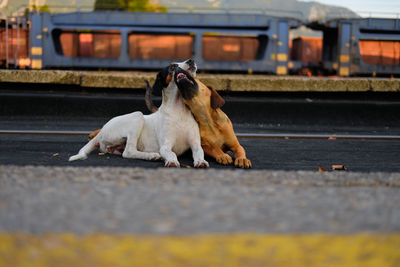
110, 194
161, 201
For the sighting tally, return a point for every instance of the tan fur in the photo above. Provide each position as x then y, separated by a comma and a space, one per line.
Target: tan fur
216, 130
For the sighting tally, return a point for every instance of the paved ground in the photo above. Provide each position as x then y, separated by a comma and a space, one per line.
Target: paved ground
132, 200
150, 216
270, 154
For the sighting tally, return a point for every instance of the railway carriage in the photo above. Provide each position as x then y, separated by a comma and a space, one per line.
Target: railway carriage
219, 42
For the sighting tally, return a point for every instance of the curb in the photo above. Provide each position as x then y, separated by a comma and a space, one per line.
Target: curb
222, 82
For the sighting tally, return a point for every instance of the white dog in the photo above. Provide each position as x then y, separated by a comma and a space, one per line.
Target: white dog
166, 133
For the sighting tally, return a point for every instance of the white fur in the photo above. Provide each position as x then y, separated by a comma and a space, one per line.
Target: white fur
167, 133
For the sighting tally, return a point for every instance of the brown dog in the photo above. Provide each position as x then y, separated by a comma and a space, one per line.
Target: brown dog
216, 130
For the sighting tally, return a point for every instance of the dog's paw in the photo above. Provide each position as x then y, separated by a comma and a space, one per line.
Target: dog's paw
201, 164
154, 156
243, 163
224, 159
172, 164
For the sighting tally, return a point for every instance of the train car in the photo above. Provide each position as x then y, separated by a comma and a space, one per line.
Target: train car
123, 40
221, 42
364, 46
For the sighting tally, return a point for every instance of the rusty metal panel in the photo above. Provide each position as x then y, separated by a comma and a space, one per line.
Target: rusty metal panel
229, 48
107, 44
17, 45
85, 45
307, 49
69, 43
380, 52
2, 45
99, 44
150, 46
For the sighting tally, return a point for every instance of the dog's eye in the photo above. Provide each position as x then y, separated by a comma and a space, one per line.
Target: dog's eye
172, 67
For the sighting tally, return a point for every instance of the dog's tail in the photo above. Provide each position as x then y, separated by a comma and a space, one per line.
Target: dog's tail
85, 151
149, 102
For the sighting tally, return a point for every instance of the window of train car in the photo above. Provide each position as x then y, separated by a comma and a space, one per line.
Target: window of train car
160, 46
88, 43
233, 48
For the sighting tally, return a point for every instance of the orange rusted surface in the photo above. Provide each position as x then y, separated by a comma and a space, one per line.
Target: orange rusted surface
17, 44
230, 48
380, 52
148, 46
307, 49
104, 44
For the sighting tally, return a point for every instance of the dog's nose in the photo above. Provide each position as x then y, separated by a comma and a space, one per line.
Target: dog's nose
190, 62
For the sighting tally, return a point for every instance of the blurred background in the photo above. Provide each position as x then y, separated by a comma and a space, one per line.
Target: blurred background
283, 212
343, 38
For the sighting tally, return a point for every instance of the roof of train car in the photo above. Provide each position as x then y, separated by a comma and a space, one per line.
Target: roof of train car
388, 24
192, 20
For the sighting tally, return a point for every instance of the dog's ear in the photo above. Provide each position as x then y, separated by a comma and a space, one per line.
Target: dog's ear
157, 86
162, 81
216, 100
172, 67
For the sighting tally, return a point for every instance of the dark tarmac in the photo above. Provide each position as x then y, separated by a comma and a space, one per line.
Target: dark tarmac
285, 114
110, 211
362, 198
265, 153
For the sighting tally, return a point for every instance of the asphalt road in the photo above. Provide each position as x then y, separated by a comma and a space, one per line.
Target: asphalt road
291, 113
58, 197
265, 153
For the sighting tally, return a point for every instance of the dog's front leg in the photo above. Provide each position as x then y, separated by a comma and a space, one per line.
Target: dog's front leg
170, 158
216, 152
198, 156
240, 157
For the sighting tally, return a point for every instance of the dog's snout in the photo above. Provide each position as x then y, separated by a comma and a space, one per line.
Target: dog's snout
190, 62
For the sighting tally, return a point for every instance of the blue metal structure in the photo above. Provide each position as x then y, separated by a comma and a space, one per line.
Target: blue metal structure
272, 54
341, 44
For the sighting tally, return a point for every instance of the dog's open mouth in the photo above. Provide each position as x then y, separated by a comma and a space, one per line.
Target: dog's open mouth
182, 76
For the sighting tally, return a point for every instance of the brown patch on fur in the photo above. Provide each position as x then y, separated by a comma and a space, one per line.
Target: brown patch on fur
93, 134
168, 79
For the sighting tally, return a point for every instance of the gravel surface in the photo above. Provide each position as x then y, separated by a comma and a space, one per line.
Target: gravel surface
182, 201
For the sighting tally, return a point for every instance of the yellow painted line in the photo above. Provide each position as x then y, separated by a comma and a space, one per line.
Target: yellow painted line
326, 250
